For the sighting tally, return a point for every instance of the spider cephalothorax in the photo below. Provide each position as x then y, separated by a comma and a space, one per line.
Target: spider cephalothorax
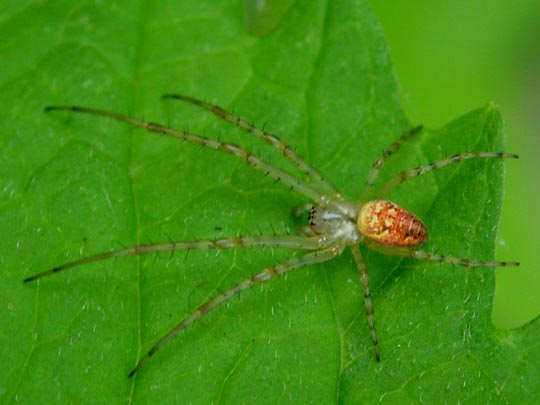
334, 222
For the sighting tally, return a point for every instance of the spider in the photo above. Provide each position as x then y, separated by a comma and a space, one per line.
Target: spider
334, 222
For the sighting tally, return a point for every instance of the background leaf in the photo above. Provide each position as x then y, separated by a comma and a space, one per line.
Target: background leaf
76, 185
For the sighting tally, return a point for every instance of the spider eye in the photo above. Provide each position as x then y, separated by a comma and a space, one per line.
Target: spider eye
388, 224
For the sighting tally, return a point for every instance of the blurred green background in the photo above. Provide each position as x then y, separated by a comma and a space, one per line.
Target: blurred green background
452, 57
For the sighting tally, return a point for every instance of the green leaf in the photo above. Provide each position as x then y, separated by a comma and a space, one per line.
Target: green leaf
76, 185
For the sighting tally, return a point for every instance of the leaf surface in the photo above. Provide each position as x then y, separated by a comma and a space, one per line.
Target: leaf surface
76, 185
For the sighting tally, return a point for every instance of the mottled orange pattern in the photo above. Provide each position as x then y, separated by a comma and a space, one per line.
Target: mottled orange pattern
388, 224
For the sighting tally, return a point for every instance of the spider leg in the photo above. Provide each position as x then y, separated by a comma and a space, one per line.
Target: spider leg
374, 171
418, 171
285, 241
368, 304
257, 163
424, 255
289, 153
260, 277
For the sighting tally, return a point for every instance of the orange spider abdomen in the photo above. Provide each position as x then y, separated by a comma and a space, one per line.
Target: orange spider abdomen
388, 224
